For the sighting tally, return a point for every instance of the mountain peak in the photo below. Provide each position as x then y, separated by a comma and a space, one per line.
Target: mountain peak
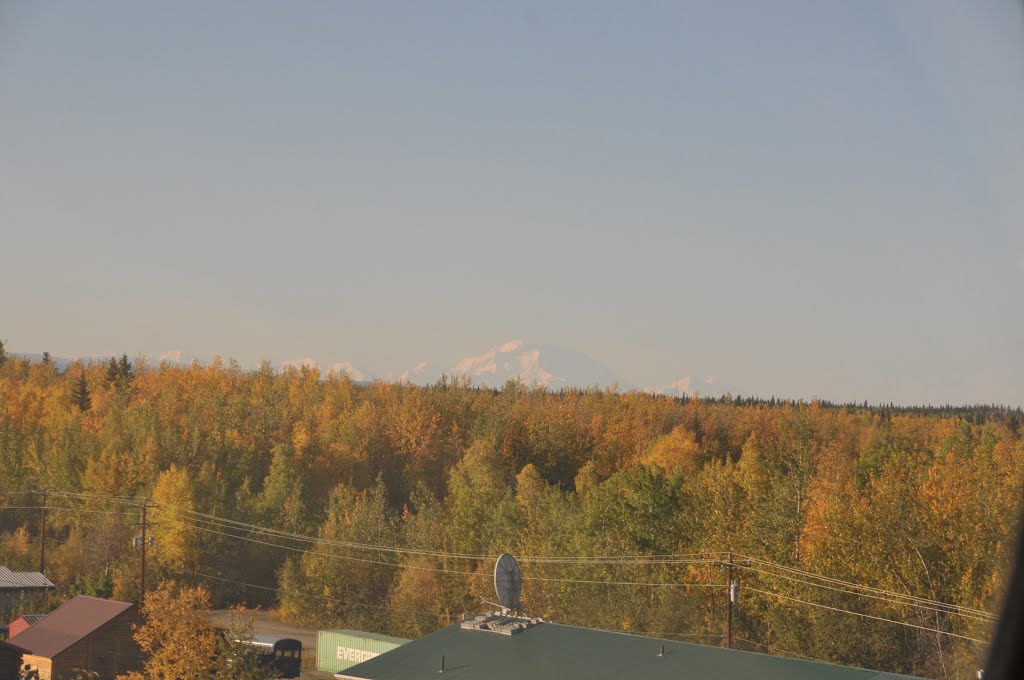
545, 365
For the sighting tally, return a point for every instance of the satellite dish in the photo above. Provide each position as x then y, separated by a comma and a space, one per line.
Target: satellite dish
508, 582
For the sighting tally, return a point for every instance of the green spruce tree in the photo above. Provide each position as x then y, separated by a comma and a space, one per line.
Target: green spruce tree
113, 371
125, 369
80, 393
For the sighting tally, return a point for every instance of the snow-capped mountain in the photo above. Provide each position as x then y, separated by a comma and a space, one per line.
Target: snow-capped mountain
553, 367
689, 385
546, 365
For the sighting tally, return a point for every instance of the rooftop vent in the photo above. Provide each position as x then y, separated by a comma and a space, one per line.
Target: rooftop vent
497, 623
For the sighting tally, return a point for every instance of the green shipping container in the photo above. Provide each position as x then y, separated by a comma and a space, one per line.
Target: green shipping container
337, 650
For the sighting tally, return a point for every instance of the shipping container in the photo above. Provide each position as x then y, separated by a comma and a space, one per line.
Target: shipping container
337, 650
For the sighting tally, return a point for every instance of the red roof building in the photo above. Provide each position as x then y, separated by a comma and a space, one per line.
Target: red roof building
22, 622
84, 633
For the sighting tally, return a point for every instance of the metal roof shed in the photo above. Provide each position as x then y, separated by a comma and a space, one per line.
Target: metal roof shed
87, 633
549, 651
23, 580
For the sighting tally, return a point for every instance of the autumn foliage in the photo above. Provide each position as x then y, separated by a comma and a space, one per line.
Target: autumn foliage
922, 502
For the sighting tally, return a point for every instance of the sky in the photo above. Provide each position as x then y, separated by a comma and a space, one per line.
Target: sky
799, 198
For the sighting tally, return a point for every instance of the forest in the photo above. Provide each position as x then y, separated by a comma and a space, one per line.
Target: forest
874, 536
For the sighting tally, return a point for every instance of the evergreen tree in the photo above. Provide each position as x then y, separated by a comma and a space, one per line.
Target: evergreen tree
80, 394
113, 371
46, 357
125, 369
3, 353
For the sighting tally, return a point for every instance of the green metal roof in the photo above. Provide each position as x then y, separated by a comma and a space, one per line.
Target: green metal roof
549, 651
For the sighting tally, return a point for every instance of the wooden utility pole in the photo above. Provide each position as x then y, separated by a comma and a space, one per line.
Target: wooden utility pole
731, 595
42, 535
142, 554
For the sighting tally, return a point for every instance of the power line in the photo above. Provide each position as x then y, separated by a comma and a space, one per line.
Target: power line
648, 633
773, 647
432, 569
953, 609
684, 558
414, 611
866, 616
446, 571
128, 500
589, 582
627, 583
858, 586
223, 523
291, 592
643, 560
672, 558
57, 507
679, 558
219, 522
324, 554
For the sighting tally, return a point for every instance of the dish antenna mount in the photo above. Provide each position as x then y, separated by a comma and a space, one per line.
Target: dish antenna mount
508, 583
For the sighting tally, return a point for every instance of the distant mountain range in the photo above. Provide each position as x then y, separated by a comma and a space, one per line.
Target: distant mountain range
535, 365
545, 365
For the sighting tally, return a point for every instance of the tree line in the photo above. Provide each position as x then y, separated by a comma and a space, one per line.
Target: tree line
388, 500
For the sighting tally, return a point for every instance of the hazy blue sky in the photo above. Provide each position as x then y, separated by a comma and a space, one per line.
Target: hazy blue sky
803, 198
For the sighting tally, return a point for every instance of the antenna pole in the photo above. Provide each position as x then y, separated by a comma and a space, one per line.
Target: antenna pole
728, 629
42, 535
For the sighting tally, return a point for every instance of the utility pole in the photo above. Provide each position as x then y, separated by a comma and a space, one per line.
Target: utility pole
142, 567
732, 597
42, 535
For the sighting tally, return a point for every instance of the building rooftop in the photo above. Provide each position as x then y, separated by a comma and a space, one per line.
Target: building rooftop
30, 619
22, 580
549, 651
12, 648
67, 624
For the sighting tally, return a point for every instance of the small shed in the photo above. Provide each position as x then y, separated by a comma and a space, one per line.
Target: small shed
85, 633
10, 661
22, 622
14, 585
